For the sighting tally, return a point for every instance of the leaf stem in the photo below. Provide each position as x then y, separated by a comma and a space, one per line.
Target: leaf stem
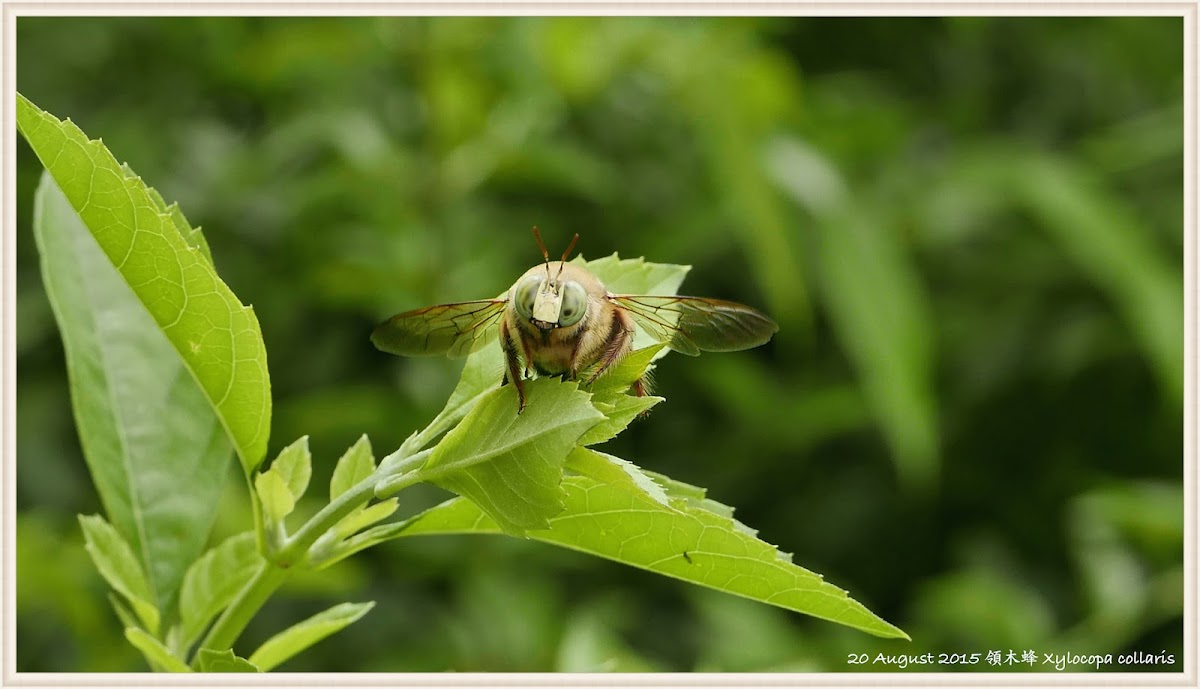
260, 529
230, 624
400, 472
278, 566
294, 548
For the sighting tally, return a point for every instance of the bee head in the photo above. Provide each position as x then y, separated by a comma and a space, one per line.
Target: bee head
549, 303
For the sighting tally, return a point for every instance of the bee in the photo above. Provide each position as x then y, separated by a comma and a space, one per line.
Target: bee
558, 319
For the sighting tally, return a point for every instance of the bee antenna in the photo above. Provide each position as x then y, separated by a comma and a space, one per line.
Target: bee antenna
570, 246
538, 236
541, 245
566, 254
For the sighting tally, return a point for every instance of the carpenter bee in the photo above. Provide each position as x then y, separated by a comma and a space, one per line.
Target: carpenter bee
559, 319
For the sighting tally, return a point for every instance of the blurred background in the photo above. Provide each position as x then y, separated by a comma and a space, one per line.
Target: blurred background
969, 230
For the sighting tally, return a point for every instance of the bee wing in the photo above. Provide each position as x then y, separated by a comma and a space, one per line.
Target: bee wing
690, 325
454, 330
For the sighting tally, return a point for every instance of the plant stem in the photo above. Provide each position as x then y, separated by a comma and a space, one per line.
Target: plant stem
294, 548
402, 474
235, 618
278, 566
260, 532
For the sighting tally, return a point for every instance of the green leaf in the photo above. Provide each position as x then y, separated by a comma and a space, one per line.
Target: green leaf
173, 640
224, 661
621, 473
355, 465
610, 394
676, 488
117, 564
617, 473
281, 487
680, 541
696, 496
155, 652
193, 236
273, 493
509, 463
218, 338
617, 416
213, 581
364, 517
300, 636
635, 275
143, 422
294, 466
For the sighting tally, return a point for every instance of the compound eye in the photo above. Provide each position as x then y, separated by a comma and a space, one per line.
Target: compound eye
574, 304
526, 294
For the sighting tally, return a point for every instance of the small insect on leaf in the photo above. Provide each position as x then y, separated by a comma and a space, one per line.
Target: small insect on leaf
558, 319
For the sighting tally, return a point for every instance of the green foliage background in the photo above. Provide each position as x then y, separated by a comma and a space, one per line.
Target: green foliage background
969, 230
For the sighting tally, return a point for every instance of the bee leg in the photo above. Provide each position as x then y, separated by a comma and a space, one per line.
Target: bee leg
572, 373
513, 365
618, 344
641, 388
528, 356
